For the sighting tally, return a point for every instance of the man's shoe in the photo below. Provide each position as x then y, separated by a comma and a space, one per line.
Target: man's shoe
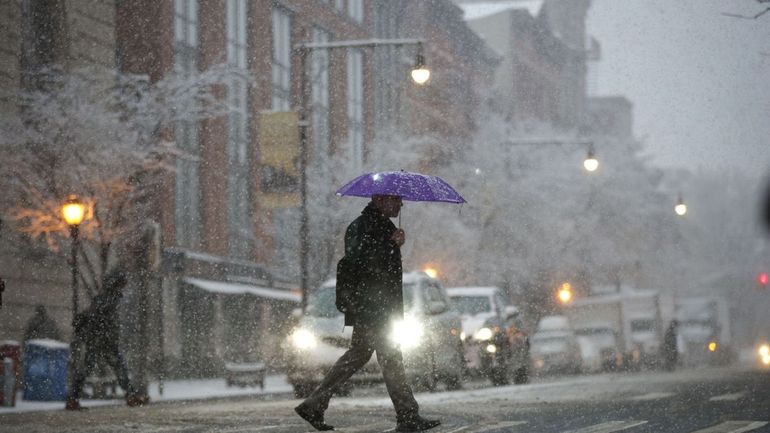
416, 423
315, 418
73, 404
135, 400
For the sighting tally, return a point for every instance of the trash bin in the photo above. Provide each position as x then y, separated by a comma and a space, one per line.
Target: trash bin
9, 349
45, 370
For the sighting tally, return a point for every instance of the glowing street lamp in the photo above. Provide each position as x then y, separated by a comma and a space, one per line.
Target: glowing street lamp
73, 212
420, 73
591, 164
680, 208
565, 293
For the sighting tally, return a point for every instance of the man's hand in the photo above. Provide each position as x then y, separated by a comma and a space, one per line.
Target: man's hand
398, 237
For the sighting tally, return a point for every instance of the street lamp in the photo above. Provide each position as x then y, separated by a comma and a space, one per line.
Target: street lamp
565, 293
73, 212
420, 75
680, 208
591, 163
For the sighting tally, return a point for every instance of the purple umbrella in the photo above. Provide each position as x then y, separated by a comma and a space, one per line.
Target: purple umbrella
407, 185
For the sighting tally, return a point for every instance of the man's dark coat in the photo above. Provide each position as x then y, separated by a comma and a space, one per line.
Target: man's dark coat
377, 260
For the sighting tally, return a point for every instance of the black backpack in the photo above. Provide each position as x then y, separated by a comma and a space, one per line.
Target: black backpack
347, 285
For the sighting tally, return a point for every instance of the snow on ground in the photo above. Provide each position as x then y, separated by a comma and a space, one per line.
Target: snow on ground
173, 390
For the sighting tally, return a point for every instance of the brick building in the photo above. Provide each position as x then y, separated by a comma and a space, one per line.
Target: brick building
224, 278
35, 34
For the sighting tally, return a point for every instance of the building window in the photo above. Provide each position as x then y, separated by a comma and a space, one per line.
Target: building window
240, 232
356, 10
188, 196
356, 105
281, 60
320, 94
389, 67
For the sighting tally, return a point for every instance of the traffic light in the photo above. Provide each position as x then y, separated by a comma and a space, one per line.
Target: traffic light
762, 280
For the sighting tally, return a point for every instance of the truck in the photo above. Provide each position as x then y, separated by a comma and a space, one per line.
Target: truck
635, 318
704, 331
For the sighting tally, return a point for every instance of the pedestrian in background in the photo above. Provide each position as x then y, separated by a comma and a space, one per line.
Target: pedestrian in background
41, 325
670, 350
97, 339
373, 251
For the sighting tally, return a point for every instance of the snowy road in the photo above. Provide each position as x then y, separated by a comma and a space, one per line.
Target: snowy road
704, 401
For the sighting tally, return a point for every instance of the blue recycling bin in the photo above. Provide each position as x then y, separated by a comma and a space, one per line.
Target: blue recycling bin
45, 370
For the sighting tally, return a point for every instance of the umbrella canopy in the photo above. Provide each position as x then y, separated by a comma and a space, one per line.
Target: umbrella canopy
407, 185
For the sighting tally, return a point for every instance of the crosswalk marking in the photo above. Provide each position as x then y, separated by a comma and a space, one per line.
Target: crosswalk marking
727, 397
733, 427
608, 427
486, 427
652, 396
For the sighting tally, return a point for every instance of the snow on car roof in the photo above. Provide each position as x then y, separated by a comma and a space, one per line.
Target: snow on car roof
471, 291
409, 278
238, 289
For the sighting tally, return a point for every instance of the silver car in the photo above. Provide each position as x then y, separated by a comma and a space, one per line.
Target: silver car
429, 337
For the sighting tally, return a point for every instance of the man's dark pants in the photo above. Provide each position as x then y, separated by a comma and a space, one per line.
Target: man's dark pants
367, 339
85, 358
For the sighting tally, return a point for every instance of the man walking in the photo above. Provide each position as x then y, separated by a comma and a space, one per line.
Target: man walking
372, 247
96, 338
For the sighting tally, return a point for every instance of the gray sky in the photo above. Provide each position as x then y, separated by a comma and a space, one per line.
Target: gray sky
699, 80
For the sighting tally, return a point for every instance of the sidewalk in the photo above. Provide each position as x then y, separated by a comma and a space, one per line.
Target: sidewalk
173, 390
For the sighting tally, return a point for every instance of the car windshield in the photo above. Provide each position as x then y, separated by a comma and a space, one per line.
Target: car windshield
594, 331
642, 325
321, 302
548, 344
472, 305
409, 289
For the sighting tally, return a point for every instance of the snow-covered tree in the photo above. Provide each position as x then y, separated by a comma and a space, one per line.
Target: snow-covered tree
99, 134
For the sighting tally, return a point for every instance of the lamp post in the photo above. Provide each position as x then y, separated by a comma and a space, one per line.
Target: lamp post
564, 294
420, 75
680, 208
590, 163
73, 213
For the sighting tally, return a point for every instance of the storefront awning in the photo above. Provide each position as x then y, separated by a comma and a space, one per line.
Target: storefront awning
227, 288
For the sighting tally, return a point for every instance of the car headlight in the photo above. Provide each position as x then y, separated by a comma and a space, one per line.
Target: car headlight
407, 333
764, 350
491, 348
303, 339
764, 354
483, 334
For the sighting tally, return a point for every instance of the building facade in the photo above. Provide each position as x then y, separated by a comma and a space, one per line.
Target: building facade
542, 75
221, 275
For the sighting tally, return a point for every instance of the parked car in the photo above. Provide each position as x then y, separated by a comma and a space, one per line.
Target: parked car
599, 348
496, 345
429, 337
554, 348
